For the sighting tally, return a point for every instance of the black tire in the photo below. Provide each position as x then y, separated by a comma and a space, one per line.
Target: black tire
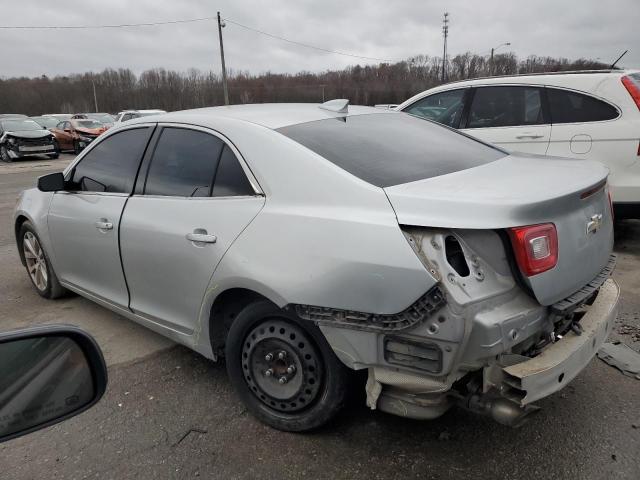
76, 147
316, 390
56, 148
52, 289
53, 156
4, 155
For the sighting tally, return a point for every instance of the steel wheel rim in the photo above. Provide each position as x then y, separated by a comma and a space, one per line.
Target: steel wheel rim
35, 260
302, 386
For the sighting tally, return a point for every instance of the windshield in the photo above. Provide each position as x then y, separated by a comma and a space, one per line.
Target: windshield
19, 125
390, 149
46, 122
86, 124
101, 117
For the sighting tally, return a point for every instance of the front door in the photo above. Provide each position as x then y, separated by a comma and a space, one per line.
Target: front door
511, 117
84, 220
196, 201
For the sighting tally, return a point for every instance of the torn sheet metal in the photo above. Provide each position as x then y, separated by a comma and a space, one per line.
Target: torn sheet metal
622, 357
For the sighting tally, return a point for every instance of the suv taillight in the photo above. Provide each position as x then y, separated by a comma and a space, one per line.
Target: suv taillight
633, 88
535, 247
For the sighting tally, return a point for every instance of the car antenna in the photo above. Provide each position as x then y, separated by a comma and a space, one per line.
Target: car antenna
339, 105
613, 65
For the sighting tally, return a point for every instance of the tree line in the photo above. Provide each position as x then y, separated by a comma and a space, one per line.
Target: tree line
170, 90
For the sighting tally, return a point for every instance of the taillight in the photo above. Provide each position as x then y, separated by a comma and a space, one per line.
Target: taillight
535, 247
632, 88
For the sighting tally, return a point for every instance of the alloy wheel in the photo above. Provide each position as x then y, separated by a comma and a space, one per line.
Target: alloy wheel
36, 262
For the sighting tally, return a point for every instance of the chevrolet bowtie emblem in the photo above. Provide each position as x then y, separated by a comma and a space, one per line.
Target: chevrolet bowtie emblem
594, 223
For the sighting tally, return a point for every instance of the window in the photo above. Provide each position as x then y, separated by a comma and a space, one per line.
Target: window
183, 164
572, 107
444, 107
505, 107
111, 165
60, 126
391, 148
230, 178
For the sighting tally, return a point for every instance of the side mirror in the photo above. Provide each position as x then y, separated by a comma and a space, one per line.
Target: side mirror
53, 182
47, 374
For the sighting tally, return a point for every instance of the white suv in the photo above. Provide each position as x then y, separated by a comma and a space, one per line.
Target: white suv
594, 115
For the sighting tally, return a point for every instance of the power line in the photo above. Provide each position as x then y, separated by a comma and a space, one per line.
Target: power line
305, 44
189, 20
87, 27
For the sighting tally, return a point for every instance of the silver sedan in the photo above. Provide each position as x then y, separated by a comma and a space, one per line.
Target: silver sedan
303, 241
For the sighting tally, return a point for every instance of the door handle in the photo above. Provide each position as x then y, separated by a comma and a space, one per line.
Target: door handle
103, 225
529, 136
201, 238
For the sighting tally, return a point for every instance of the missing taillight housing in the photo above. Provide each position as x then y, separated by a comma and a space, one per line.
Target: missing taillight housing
535, 247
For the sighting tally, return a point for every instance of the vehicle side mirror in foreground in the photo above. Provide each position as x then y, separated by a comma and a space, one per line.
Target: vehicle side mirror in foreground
53, 182
47, 374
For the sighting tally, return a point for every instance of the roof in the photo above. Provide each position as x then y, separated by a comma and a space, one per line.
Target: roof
270, 115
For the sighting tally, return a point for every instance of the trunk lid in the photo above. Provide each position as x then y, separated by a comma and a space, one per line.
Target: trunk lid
522, 190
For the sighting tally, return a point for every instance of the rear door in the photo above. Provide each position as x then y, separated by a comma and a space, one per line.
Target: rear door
83, 221
512, 117
191, 203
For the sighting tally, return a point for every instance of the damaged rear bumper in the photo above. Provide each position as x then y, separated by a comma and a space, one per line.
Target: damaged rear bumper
559, 363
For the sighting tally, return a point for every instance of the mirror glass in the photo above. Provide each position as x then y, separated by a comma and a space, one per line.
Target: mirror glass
42, 379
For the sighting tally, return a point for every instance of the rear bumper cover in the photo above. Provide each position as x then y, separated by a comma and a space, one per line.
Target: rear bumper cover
558, 364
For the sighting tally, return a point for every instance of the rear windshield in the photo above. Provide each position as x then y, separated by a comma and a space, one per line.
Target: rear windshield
390, 149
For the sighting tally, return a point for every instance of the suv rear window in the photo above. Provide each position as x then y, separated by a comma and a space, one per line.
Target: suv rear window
387, 149
573, 107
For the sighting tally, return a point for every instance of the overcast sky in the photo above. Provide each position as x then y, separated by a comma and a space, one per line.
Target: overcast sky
376, 28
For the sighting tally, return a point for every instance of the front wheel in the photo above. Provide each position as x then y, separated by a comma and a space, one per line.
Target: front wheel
4, 154
76, 147
283, 369
37, 263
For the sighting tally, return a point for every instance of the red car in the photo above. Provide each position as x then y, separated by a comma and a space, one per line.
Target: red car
76, 134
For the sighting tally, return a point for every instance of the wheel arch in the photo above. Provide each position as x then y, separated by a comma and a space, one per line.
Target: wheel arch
20, 219
224, 309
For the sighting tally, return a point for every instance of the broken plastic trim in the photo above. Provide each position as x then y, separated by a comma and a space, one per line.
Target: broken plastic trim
418, 312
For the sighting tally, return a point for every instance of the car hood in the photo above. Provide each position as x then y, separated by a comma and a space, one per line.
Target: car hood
28, 133
91, 131
514, 190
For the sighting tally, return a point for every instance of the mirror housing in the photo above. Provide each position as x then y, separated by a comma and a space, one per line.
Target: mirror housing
53, 182
47, 374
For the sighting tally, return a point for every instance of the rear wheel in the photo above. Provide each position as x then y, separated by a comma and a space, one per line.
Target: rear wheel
76, 147
283, 369
37, 263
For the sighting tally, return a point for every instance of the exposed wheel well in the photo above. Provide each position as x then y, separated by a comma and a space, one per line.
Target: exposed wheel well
19, 221
224, 310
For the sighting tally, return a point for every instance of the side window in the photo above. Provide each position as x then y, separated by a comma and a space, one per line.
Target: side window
111, 165
444, 107
230, 178
505, 107
60, 126
183, 164
572, 107
127, 116
66, 125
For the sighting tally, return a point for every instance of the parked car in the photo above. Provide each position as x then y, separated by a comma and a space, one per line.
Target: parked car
105, 118
13, 115
24, 138
591, 115
60, 116
301, 241
127, 115
76, 134
46, 121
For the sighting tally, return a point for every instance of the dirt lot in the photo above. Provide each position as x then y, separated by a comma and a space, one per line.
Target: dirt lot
169, 413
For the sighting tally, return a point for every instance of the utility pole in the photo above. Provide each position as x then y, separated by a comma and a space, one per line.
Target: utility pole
506, 44
221, 24
445, 34
95, 98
